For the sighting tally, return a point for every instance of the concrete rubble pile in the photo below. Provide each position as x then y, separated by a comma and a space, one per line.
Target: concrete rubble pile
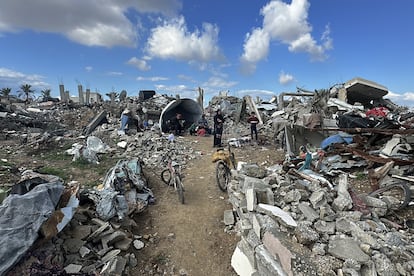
302, 217
98, 237
321, 211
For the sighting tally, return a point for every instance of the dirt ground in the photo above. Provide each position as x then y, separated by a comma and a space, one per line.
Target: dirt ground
189, 239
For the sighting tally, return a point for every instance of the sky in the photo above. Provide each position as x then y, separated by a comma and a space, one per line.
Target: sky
245, 47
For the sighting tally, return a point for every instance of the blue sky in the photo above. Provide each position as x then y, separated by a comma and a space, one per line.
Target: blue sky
260, 48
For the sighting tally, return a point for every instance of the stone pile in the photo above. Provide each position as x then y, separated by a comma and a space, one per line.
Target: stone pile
292, 226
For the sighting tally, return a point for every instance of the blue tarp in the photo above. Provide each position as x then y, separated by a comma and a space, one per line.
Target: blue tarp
336, 139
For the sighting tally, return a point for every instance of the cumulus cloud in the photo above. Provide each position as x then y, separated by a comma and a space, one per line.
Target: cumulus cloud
91, 23
141, 64
285, 78
285, 23
13, 79
172, 40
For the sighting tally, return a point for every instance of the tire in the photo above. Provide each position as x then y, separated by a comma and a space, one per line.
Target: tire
222, 175
166, 177
400, 191
180, 189
233, 160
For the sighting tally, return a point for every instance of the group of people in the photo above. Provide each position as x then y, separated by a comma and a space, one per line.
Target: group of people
130, 117
201, 128
219, 122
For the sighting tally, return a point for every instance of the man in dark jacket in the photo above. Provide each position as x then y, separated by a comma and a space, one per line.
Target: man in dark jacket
218, 128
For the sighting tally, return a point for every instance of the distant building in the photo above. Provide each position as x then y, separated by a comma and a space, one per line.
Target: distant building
94, 97
146, 94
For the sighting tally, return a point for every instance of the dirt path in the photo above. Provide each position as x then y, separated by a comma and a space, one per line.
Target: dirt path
188, 239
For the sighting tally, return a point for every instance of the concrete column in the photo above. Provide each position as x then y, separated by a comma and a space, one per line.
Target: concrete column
80, 91
88, 95
62, 93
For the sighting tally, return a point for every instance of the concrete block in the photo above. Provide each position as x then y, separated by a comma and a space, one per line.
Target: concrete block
229, 217
283, 216
248, 251
267, 264
73, 269
252, 239
280, 252
123, 244
251, 199
256, 226
241, 263
265, 196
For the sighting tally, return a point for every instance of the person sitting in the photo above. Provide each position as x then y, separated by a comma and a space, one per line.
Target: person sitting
193, 129
203, 124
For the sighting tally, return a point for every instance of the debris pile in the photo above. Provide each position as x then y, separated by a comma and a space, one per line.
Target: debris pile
341, 203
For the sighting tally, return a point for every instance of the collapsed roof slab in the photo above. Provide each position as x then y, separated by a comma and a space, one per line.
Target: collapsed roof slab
364, 91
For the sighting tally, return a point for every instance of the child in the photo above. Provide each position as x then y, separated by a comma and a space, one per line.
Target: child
253, 120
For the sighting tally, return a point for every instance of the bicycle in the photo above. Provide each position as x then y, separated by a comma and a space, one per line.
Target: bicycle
224, 161
171, 176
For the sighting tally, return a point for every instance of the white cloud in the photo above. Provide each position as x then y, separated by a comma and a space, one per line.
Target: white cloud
141, 64
219, 83
152, 78
286, 23
285, 78
262, 94
114, 73
92, 22
256, 48
88, 68
172, 40
13, 79
408, 96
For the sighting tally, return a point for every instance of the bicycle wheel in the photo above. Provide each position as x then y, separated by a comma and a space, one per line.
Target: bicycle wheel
180, 189
166, 177
222, 175
399, 191
233, 160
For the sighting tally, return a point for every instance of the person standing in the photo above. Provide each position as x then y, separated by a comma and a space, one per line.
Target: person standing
253, 121
218, 128
177, 124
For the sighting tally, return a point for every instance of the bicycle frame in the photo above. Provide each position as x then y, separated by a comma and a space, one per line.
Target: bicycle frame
175, 170
174, 177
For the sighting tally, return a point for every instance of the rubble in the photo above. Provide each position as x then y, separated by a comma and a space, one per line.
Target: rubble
328, 214
312, 222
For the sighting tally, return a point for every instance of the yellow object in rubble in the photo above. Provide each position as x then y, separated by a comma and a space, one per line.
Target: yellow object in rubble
221, 155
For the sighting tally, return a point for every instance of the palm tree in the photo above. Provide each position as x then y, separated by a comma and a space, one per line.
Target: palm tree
5, 92
46, 94
26, 91
112, 95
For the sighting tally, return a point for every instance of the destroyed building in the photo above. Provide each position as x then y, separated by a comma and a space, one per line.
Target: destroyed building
319, 213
